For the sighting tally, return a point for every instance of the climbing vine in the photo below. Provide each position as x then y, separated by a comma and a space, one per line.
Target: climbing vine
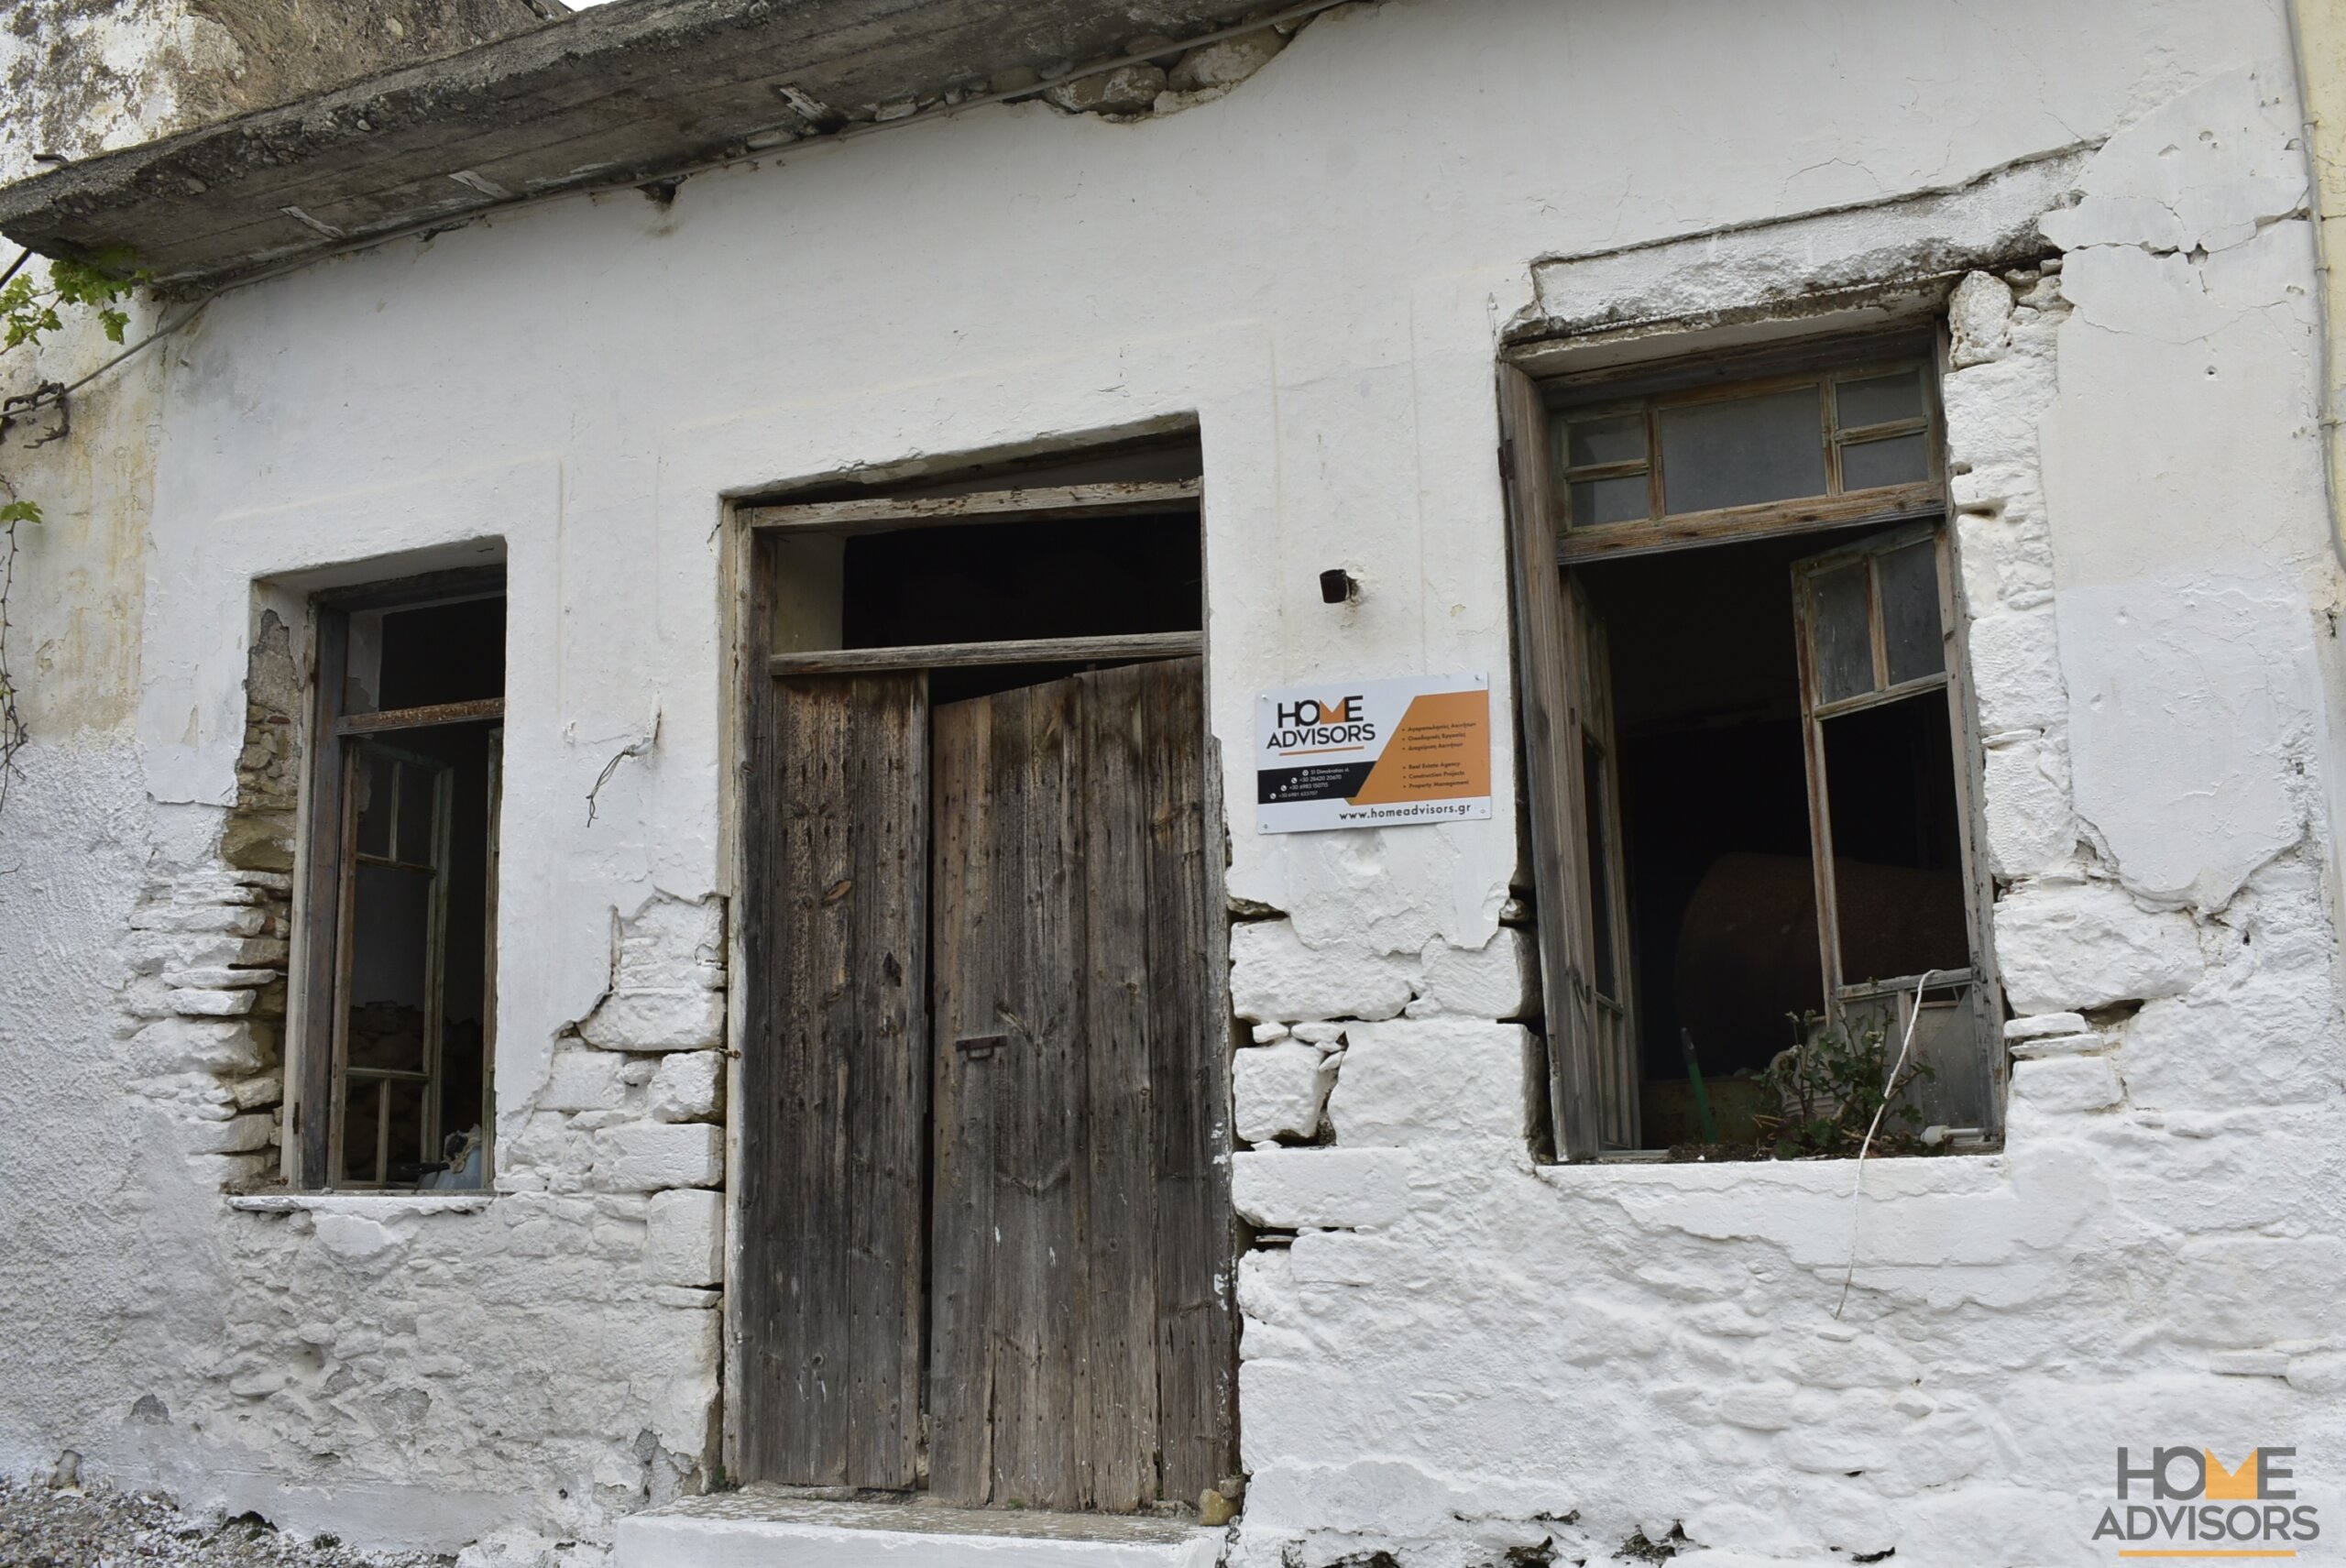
30, 310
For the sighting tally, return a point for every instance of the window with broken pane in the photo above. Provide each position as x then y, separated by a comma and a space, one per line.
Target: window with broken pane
1869, 428
1770, 828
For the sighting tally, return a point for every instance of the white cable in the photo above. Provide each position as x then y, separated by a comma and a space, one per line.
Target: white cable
1856, 1210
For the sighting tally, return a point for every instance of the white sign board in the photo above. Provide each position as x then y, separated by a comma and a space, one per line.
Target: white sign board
1341, 753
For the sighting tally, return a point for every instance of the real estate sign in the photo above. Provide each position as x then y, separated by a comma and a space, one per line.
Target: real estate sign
1341, 753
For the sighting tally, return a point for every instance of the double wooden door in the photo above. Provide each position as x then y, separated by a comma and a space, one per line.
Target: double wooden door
984, 1213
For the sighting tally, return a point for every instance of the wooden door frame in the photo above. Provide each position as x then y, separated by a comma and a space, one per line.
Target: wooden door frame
748, 589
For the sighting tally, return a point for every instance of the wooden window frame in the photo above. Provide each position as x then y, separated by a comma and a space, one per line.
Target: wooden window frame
1650, 391
1550, 699
1973, 984
322, 878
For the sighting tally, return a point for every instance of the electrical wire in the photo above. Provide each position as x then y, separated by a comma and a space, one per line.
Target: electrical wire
2326, 349
1890, 1085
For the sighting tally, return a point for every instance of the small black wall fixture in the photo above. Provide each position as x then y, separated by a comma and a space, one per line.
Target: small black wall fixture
1338, 586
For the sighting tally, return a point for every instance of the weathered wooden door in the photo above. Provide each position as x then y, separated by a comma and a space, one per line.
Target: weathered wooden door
833, 1085
1080, 1339
1022, 1210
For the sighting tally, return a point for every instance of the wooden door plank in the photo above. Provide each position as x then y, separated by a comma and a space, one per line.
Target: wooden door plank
960, 1390
885, 1124
1039, 1128
1190, 1095
829, 1220
1117, 1423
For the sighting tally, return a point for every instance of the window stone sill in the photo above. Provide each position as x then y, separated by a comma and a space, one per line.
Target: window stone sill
374, 1205
1981, 1171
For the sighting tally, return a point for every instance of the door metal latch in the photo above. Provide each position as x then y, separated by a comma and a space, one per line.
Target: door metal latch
978, 1048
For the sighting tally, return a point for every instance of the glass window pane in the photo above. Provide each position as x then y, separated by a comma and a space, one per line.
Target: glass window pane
1611, 500
1743, 450
374, 783
1897, 845
406, 1142
1621, 439
362, 1106
389, 939
1878, 399
1901, 460
418, 793
1843, 632
1910, 612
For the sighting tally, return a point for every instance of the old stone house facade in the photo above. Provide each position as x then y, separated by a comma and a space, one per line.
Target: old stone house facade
668, 660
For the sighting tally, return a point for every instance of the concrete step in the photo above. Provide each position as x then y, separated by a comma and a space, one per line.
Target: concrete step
780, 1527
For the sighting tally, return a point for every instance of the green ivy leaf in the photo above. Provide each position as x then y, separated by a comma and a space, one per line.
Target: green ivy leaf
20, 512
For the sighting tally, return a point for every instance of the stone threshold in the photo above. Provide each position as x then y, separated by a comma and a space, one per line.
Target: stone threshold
786, 1526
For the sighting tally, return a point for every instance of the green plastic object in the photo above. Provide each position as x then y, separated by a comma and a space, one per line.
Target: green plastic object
1694, 1077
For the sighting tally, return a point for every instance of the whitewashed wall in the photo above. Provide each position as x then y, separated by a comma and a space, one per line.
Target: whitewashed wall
1460, 1355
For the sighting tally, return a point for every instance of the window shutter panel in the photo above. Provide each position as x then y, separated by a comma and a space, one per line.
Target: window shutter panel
1547, 689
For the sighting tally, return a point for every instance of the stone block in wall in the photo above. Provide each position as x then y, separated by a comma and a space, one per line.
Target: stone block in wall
2031, 830
1321, 1188
259, 841
1226, 63
644, 1156
235, 1134
684, 1413
221, 1046
1278, 1091
2036, 1046
221, 977
1979, 315
241, 920
359, 1240
2067, 1083
2068, 948
2035, 1026
195, 1004
1497, 979
584, 1080
668, 1020
2268, 1040
1416, 1080
1128, 90
1275, 977
2016, 670
673, 944
2241, 1292
683, 1238
688, 1086
251, 1093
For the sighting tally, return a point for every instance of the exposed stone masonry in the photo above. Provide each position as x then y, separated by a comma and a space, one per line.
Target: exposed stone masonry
210, 948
